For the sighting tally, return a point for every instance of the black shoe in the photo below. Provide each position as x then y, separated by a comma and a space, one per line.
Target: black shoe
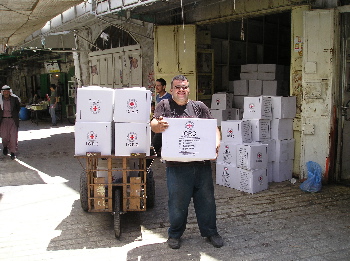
54, 124
5, 150
216, 240
13, 156
174, 243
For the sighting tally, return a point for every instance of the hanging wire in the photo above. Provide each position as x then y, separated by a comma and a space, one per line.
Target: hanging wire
183, 25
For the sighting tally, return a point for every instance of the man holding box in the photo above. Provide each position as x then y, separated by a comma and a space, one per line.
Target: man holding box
187, 179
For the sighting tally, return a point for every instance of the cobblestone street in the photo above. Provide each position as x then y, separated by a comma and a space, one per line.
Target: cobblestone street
41, 217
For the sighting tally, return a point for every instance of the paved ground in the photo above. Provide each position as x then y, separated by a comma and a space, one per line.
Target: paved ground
41, 217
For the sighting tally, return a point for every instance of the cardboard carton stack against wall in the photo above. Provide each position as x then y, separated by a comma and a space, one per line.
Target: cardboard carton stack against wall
98, 107
254, 149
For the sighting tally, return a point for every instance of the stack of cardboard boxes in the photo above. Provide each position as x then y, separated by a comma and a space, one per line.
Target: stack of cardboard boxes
98, 107
259, 148
259, 79
221, 108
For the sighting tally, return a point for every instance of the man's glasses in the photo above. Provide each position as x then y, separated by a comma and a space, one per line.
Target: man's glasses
179, 87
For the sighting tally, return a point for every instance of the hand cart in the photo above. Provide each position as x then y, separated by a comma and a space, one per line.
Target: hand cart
117, 184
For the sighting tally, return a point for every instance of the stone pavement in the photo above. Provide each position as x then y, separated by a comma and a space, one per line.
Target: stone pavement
41, 217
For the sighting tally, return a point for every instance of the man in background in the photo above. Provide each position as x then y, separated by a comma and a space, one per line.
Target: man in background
53, 104
9, 121
162, 94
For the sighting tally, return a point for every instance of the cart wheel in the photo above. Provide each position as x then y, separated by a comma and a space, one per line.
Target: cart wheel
117, 197
84, 191
150, 189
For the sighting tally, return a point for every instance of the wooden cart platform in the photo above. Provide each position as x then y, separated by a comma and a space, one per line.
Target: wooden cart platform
116, 184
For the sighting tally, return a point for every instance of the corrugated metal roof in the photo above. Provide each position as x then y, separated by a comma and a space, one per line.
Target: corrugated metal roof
20, 18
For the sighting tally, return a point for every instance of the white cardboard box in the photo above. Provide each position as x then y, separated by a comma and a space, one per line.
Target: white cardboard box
249, 67
93, 137
132, 137
257, 108
221, 101
226, 175
132, 105
281, 129
271, 149
240, 87
285, 150
221, 115
270, 87
282, 170
255, 87
283, 107
189, 139
94, 104
227, 153
272, 68
252, 181
260, 129
248, 75
238, 131
252, 156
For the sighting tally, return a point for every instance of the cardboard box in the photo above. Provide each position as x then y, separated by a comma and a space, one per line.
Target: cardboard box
99, 193
132, 137
93, 137
221, 101
227, 176
240, 87
282, 170
227, 153
257, 108
238, 101
255, 87
132, 105
260, 129
271, 68
281, 129
222, 115
284, 150
270, 87
248, 75
283, 107
236, 114
94, 104
270, 171
189, 139
252, 156
237, 131
252, 181
249, 67
271, 149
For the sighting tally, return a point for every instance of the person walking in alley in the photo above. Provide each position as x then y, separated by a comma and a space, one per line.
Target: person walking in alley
9, 121
187, 179
53, 104
162, 94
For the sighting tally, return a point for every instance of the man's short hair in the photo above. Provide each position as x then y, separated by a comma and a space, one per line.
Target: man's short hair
179, 78
53, 86
162, 81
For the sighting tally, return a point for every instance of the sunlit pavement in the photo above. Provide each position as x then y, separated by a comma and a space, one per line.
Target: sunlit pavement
41, 217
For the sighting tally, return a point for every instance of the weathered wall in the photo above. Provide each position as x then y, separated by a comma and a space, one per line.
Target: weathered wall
142, 33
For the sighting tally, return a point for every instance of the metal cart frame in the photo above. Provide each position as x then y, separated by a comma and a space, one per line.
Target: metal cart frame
133, 191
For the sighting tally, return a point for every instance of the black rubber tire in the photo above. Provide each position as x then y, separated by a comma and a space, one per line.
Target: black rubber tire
117, 207
150, 189
84, 191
